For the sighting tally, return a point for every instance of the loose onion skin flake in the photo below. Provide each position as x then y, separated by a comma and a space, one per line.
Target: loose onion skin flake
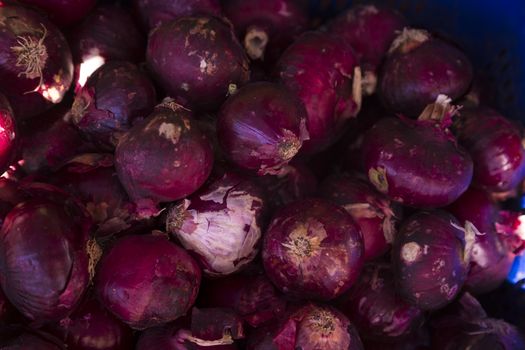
36, 69
197, 60
313, 249
430, 257
147, 281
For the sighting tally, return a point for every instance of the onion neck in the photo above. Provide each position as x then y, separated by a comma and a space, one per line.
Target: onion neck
408, 40
255, 42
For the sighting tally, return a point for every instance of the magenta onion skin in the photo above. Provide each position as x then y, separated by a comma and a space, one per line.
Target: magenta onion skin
64, 12
221, 223
8, 134
416, 163
376, 310
495, 145
320, 71
430, 257
216, 324
206, 61
418, 68
253, 297
313, 249
114, 96
37, 68
44, 258
267, 27
375, 214
156, 12
262, 127
164, 158
311, 327
147, 281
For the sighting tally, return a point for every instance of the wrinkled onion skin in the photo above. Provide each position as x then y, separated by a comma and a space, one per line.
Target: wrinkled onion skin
205, 60
316, 67
64, 12
495, 144
156, 12
423, 166
376, 310
43, 259
370, 30
8, 134
428, 259
410, 81
313, 249
147, 281
261, 127
165, 157
28, 94
115, 95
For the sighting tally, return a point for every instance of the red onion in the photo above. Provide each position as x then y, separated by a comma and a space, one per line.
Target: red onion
215, 326
221, 223
431, 255
206, 62
325, 76
252, 297
376, 310
19, 339
370, 30
114, 96
147, 281
36, 70
64, 12
417, 163
262, 127
312, 327
91, 327
495, 145
313, 249
164, 158
418, 68
267, 27
8, 134
375, 215
156, 12
44, 257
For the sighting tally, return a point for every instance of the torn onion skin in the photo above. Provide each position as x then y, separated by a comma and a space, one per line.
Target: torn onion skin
8, 134
418, 68
115, 95
430, 257
163, 158
374, 213
147, 281
206, 62
313, 249
221, 223
37, 69
64, 12
417, 163
326, 77
374, 307
267, 27
262, 127
496, 146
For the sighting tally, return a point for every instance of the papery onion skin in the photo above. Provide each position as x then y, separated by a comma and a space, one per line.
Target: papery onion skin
313, 249
164, 158
8, 134
267, 27
37, 68
44, 258
374, 213
376, 310
496, 147
156, 12
320, 71
114, 96
262, 127
206, 61
430, 259
221, 223
147, 281
418, 68
64, 12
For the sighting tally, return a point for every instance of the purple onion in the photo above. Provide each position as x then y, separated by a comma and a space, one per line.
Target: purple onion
12, 338
8, 134
313, 249
64, 12
221, 223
